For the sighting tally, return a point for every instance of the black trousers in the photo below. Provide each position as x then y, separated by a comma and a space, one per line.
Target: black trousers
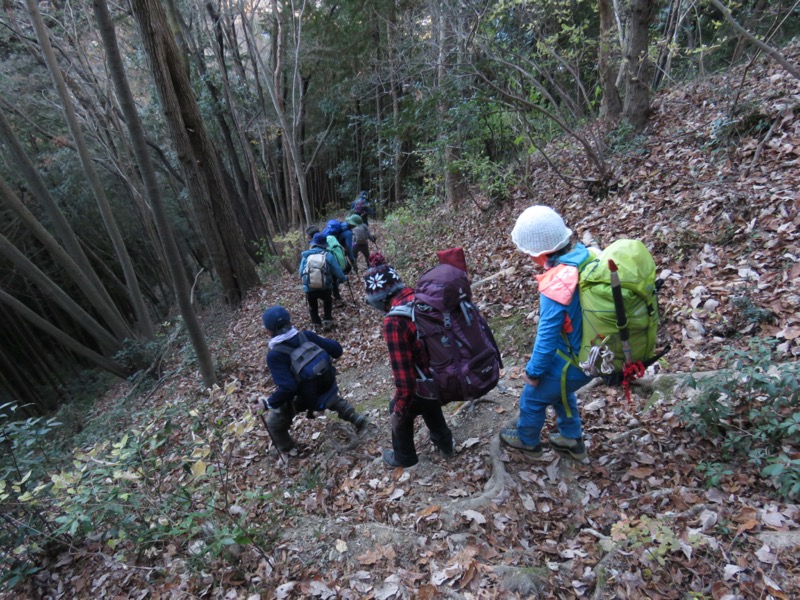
361, 250
313, 297
403, 429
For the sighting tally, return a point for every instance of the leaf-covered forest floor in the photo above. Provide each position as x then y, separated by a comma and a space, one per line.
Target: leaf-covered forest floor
713, 191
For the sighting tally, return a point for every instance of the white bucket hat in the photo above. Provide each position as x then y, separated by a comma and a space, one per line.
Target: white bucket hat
540, 230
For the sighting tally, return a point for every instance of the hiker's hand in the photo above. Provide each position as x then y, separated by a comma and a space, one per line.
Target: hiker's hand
399, 410
531, 381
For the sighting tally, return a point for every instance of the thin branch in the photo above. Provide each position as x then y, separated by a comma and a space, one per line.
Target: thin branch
769, 50
194, 285
760, 148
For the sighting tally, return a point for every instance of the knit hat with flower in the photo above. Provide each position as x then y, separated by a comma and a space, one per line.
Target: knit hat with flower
381, 281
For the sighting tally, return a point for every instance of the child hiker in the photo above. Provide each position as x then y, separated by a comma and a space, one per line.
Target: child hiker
320, 272
541, 233
296, 392
385, 290
362, 236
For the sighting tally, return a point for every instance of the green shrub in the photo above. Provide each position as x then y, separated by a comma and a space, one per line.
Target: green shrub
750, 410
288, 247
25, 458
149, 488
624, 140
748, 311
412, 225
23, 441
493, 178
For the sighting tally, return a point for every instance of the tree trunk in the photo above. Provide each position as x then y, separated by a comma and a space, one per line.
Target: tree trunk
665, 51
101, 300
264, 227
741, 43
62, 338
134, 292
59, 296
766, 48
637, 91
449, 151
59, 255
139, 142
195, 152
611, 105
290, 123
396, 91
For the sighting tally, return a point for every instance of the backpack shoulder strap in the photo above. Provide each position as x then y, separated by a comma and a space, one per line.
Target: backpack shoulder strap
284, 348
408, 311
403, 310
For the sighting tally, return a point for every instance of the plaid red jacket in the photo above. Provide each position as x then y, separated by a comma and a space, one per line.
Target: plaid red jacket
405, 351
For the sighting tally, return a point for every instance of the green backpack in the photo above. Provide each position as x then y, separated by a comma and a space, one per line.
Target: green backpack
335, 248
637, 276
601, 352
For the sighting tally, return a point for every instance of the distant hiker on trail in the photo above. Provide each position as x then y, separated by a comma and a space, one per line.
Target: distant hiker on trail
311, 230
384, 290
361, 207
541, 233
301, 367
319, 271
362, 236
332, 233
346, 240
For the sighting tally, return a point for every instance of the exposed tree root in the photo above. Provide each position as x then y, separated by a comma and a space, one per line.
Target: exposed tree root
470, 405
494, 487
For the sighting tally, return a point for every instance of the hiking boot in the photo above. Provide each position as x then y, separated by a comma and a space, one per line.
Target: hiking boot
510, 437
327, 325
390, 459
450, 452
564, 445
360, 422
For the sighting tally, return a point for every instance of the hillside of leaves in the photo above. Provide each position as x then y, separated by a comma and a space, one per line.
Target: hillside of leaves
186, 499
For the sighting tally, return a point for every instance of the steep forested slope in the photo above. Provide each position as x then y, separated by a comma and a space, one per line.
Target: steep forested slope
712, 189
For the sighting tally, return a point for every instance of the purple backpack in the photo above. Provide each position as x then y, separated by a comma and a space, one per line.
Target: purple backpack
462, 355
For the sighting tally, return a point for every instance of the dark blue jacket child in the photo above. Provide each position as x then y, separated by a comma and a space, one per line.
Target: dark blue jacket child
293, 396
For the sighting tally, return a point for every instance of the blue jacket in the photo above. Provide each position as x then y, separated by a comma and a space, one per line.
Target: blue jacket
553, 316
333, 267
347, 242
280, 367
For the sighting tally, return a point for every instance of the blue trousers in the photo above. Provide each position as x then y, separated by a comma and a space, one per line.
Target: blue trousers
533, 405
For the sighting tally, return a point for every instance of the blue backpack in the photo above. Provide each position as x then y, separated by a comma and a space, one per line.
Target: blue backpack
313, 370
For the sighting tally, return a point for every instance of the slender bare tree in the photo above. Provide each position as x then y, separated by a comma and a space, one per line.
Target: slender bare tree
139, 143
62, 338
101, 300
26, 267
134, 292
